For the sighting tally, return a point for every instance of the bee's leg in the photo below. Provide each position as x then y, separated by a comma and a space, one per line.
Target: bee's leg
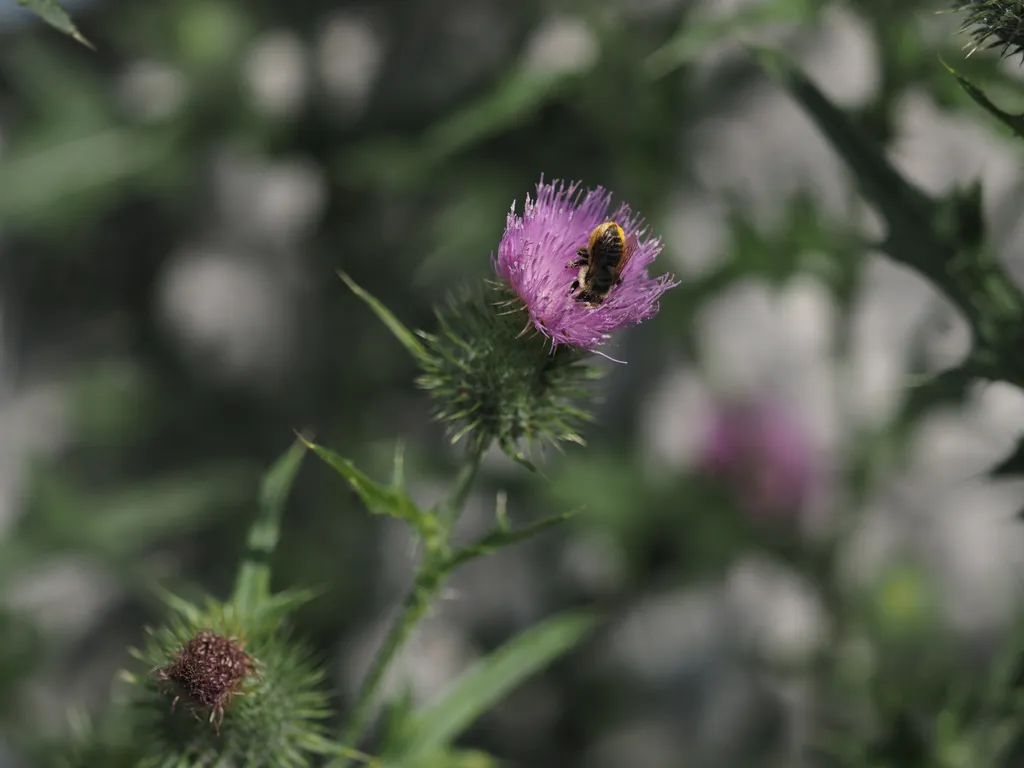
574, 286
582, 258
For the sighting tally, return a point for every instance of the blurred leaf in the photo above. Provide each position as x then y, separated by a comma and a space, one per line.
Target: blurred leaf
19, 651
51, 12
379, 499
460, 758
397, 327
121, 522
38, 182
483, 685
65, 99
398, 467
922, 232
1014, 122
112, 403
692, 40
498, 540
513, 102
253, 585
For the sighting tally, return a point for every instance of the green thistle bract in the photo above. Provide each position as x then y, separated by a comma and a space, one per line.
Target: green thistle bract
496, 378
260, 707
994, 24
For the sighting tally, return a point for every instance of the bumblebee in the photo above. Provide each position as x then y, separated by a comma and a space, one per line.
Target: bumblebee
601, 262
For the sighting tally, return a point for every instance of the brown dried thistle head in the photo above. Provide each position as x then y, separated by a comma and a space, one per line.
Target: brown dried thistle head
207, 671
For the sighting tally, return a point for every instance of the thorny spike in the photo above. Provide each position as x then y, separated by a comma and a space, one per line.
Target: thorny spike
527, 327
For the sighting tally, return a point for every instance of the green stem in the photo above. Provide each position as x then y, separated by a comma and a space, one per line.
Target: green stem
429, 578
428, 583
449, 511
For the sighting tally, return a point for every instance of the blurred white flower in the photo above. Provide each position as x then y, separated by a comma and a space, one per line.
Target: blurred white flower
561, 45
276, 72
349, 56
233, 317
151, 90
276, 202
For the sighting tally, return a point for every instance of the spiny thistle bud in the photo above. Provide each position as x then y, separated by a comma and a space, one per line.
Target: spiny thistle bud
994, 24
494, 382
251, 696
208, 670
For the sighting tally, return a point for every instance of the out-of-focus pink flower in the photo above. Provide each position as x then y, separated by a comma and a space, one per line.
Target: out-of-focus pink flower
763, 454
537, 248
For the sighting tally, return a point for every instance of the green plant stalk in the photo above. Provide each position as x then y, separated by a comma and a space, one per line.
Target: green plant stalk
430, 577
448, 512
417, 603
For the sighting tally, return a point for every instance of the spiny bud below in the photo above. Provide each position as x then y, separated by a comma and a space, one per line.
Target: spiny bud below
255, 695
207, 671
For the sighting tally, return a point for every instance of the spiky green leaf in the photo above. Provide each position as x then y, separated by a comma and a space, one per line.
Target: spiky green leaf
253, 584
406, 337
500, 539
693, 39
488, 681
378, 498
1014, 122
51, 12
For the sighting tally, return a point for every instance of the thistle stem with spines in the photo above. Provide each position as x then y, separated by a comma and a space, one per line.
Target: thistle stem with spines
430, 576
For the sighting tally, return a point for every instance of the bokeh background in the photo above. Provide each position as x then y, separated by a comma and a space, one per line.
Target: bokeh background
795, 555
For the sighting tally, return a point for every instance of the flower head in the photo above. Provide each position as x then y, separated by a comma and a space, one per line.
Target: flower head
763, 452
536, 251
228, 687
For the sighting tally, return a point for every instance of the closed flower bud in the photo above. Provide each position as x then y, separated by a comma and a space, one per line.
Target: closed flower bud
224, 689
494, 382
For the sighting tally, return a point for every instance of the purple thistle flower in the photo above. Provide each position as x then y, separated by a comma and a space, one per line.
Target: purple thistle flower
537, 248
762, 452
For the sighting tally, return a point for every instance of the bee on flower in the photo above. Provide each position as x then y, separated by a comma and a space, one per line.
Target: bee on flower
580, 271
